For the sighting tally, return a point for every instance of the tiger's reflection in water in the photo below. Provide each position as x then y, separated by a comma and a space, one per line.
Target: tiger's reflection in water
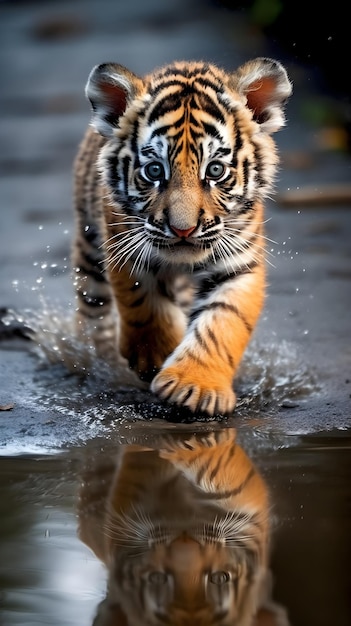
184, 533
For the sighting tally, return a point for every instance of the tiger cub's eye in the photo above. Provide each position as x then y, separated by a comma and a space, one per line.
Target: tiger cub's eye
219, 578
157, 578
215, 170
154, 171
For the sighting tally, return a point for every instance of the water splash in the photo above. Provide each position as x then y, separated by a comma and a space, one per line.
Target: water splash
55, 341
271, 375
274, 374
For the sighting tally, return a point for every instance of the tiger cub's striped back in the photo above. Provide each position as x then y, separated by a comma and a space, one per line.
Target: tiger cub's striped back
186, 534
170, 186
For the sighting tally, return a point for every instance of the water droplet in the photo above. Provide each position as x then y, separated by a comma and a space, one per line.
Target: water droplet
39, 280
305, 332
40, 227
44, 266
86, 228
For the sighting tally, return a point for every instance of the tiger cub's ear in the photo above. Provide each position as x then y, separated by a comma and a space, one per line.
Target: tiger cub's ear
110, 88
265, 84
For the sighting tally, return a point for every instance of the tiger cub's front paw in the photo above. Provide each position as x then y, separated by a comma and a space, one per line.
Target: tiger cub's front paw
195, 387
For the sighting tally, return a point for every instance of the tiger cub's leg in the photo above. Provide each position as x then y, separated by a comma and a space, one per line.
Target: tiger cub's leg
95, 316
152, 324
215, 463
95, 312
199, 373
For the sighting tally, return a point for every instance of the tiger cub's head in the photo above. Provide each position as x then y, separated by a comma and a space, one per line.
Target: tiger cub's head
186, 536
189, 154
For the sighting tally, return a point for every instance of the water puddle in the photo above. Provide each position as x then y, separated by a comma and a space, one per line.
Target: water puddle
47, 576
58, 527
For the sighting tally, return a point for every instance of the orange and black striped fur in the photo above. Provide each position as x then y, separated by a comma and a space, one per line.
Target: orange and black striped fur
184, 534
169, 191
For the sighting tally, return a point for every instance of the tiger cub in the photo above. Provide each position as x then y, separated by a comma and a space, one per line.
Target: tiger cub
169, 189
184, 534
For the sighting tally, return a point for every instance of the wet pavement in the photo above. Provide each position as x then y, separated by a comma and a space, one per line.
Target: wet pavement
294, 410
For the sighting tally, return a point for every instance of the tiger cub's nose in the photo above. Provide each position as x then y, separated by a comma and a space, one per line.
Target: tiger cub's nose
183, 233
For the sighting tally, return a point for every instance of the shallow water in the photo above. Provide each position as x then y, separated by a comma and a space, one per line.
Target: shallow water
48, 576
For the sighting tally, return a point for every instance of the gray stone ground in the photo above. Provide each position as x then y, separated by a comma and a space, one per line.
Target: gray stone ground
304, 348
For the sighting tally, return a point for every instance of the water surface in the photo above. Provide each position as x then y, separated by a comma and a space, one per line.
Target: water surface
48, 576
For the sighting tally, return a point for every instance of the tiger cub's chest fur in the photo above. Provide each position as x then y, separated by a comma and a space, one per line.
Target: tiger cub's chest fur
169, 197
